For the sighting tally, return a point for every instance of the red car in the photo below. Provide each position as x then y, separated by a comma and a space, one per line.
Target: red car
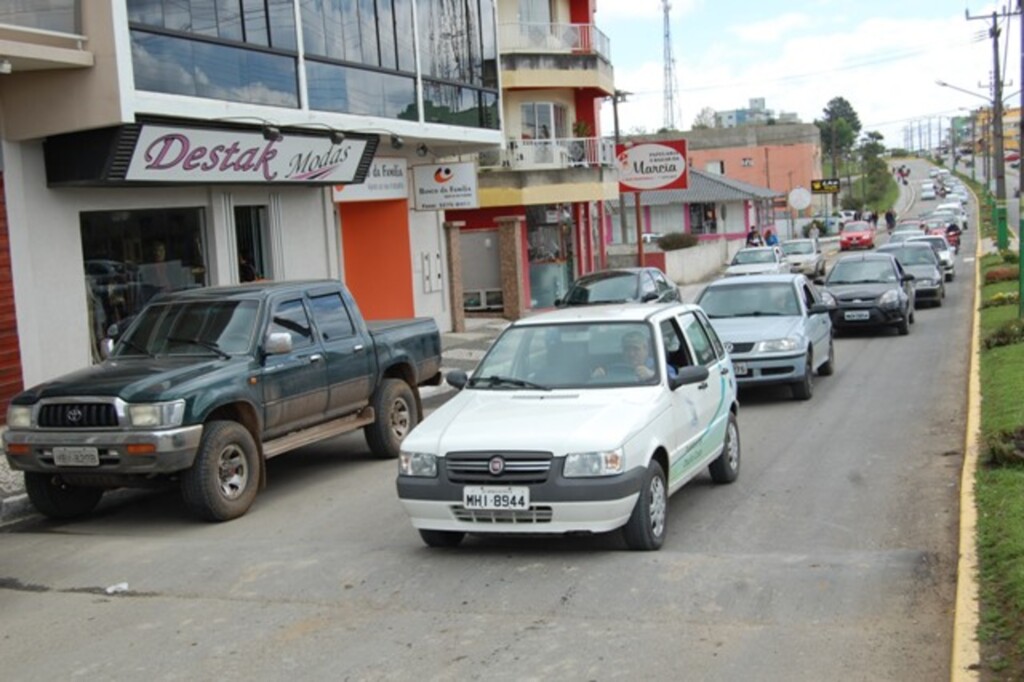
857, 234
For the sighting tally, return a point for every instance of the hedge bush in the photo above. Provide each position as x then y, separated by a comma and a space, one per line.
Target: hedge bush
1002, 298
1002, 273
677, 240
1011, 257
1010, 332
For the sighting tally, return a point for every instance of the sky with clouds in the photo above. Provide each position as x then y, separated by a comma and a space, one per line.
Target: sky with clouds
883, 56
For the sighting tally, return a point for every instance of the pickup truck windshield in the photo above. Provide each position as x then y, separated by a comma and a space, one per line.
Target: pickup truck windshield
193, 328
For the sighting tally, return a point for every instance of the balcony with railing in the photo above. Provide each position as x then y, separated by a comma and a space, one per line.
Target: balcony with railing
41, 34
555, 38
551, 154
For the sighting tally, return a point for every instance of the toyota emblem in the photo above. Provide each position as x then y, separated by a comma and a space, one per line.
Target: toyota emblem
74, 415
728, 347
496, 466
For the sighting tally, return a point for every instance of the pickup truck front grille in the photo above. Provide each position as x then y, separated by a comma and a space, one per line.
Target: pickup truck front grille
517, 467
77, 415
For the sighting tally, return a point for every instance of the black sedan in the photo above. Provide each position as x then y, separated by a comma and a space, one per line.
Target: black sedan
871, 290
624, 285
920, 260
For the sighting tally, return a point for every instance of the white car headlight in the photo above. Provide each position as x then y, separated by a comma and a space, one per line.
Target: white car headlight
827, 298
19, 416
420, 464
776, 346
157, 415
584, 464
891, 297
926, 282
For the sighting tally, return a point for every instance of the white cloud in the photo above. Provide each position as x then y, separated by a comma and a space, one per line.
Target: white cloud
884, 70
771, 31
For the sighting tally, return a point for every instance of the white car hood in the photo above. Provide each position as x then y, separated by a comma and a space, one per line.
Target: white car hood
751, 269
753, 329
556, 421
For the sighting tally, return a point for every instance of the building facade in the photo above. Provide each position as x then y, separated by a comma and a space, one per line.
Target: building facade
154, 145
555, 171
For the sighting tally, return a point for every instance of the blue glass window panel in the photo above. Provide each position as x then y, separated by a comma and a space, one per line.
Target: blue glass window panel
368, 33
350, 90
204, 18
229, 19
185, 67
386, 32
314, 31
282, 24
257, 32
149, 12
404, 36
178, 16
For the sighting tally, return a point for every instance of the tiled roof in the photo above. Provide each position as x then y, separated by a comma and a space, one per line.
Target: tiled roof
705, 188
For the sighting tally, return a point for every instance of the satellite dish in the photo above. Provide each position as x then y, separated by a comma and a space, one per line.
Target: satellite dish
799, 198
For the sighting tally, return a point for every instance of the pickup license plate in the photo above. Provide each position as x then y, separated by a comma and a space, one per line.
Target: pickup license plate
740, 368
496, 497
76, 457
857, 315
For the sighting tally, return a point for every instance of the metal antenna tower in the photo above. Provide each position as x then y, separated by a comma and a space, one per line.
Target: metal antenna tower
670, 72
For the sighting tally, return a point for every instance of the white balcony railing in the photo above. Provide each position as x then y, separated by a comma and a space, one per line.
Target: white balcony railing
563, 38
552, 154
57, 16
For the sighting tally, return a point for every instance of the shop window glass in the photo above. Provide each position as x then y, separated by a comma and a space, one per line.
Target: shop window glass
130, 256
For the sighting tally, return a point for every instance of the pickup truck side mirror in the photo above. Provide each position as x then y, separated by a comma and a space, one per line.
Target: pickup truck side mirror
691, 374
277, 343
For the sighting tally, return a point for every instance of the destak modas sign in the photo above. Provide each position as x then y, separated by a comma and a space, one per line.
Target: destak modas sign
169, 154
652, 165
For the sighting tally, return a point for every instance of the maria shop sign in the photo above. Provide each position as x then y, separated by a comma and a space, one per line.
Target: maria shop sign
652, 165
193, 155
437, 187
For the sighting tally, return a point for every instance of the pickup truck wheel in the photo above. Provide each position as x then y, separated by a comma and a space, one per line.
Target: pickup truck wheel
52, 496
441, 538
395, 408
645, 529
222, 483
726, 468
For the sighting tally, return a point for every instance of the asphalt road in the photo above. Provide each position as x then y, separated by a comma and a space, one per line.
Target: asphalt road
833, 557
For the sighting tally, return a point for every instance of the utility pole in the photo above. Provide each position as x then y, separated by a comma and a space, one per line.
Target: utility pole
998, 160
1020, 194
620, 96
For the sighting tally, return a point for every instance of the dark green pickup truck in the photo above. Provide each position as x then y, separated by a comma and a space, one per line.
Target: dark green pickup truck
207, 384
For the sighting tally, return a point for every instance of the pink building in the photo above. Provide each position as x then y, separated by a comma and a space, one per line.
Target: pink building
779, 157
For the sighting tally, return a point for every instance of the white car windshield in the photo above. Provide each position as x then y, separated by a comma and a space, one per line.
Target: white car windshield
749, 256
750, 300
797, 248
584, 355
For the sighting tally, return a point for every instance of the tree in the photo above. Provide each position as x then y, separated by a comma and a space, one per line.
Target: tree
839, 129
705, 119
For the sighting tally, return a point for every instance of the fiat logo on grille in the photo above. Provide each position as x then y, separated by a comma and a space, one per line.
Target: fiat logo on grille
496, 465
74, 415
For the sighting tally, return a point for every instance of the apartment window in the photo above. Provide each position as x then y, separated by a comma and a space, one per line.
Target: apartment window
747, 162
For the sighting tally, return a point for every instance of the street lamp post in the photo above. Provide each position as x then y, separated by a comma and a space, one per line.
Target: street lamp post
998, 161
